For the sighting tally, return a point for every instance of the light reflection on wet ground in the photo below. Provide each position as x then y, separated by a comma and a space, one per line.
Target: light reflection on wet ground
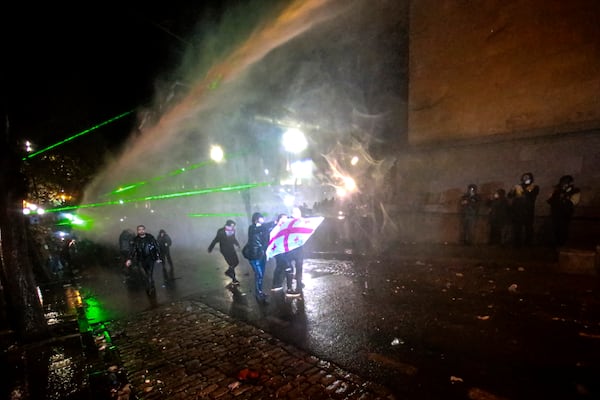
412, 323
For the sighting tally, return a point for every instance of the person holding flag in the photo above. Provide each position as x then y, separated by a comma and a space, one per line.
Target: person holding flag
288, 237
283, 268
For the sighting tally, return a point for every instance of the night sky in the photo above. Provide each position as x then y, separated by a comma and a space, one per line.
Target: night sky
69, 68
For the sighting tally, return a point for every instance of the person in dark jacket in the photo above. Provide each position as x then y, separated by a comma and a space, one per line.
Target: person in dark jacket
125, 241
469, 206
563, 200
227, 241
164, 245
145, 252
523, 197
258, 240
499, 217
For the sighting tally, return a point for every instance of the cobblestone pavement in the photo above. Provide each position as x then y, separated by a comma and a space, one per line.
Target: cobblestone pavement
188, 350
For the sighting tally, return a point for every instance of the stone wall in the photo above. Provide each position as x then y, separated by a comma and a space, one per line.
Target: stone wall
430, 180
482, 69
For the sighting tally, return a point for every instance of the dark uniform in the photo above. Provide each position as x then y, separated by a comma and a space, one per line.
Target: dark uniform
522, 209
562, 205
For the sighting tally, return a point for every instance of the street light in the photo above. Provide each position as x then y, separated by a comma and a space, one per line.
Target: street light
294, 141
216, 153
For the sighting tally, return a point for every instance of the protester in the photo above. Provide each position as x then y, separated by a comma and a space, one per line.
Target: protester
145, 252
283, 267
296, 260
125, 241
258, 240
288, 238
227, 241
164, 245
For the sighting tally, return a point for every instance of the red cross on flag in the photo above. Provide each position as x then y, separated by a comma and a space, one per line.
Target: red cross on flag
291, 234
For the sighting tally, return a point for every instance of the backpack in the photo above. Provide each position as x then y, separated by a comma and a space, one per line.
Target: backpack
246, 251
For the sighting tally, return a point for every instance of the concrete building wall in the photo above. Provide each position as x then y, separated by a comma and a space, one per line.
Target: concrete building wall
497, 67
496, 89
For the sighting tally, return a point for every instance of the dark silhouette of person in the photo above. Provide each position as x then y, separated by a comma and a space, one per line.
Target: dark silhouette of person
287, 265
227, 241
125, 241
499, 217
522, 209
295, 260
164, 245
282, 267
562, 201
469, 207
145, 252
258, 240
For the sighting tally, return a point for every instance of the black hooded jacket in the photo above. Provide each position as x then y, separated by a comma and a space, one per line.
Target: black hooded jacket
258, 239
144, 249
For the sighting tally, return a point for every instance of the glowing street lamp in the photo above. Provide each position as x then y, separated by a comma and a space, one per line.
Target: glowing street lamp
216, 153
294, 141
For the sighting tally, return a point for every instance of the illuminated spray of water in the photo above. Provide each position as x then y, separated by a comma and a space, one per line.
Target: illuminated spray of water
183, 128
205, 94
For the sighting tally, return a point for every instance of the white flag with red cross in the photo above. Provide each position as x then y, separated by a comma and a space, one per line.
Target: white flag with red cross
291, 234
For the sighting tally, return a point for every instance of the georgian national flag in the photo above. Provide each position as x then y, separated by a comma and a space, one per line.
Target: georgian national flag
291, 234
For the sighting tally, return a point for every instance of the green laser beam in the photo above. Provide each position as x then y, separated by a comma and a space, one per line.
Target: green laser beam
126, 188
178, 171
163, 196
108, 121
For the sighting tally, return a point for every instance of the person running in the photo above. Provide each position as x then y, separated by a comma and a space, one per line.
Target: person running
145, 251
258, 240
227, 241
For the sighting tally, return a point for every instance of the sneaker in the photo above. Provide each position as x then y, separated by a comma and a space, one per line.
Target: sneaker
262, 298
235, 282
292, 293
277, 289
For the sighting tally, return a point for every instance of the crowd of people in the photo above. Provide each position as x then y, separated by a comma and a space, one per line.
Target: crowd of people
142, 250
288, 266
511, 215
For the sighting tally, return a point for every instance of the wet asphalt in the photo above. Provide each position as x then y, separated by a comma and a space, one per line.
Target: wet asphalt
424, 322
